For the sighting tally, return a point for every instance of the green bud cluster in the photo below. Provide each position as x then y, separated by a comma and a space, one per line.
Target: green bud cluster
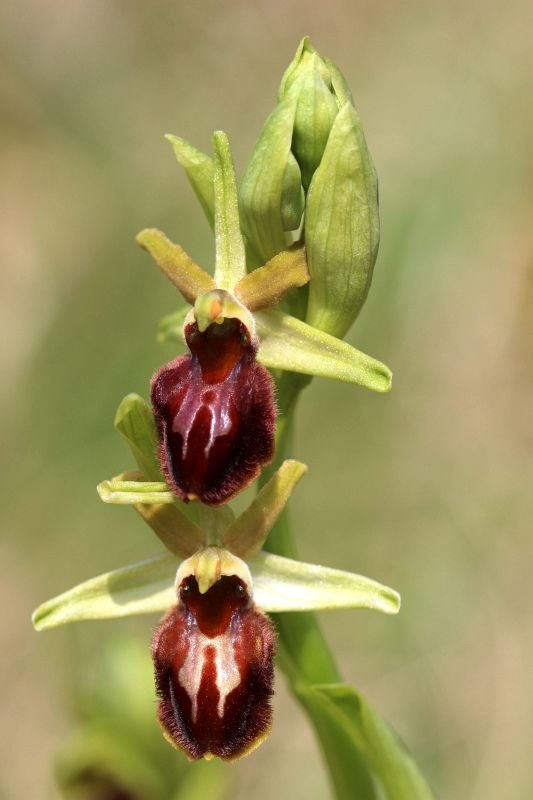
322, 185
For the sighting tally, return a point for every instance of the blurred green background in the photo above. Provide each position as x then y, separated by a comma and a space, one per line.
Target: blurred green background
427, 489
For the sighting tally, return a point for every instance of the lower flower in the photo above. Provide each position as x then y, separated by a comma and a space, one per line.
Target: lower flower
213, 657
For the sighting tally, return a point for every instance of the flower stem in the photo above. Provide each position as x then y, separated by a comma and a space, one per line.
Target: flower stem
304, 655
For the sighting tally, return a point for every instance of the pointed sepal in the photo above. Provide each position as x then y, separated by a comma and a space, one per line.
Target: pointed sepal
199, 169
135, 422
262, 191
290, 344
283, 584
230, 262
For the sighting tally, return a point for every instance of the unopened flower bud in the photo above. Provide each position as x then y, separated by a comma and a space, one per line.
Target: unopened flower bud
308, 79
341, 210
342, 227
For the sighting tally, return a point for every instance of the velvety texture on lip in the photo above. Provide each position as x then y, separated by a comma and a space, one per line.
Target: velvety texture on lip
213, 657
215, 414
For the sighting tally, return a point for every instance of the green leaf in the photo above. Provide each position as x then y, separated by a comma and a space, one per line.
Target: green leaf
144, 588
345, 760
262, 186
283, 584
230, 254
280, 584
134, 420
129, 493
390, 761
341, 227
266, 285
246, 535
290, 344
199, 169
190, 279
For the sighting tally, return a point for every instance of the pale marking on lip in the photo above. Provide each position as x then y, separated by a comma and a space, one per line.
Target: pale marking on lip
227, 678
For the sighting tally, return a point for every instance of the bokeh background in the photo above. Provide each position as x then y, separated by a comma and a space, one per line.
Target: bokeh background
427, 489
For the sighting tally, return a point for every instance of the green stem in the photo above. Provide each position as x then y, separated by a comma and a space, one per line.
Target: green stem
304, 655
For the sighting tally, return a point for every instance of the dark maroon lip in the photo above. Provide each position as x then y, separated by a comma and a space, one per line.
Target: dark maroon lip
215, 414
213, 658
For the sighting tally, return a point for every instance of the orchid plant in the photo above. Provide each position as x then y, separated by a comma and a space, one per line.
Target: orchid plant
296, 243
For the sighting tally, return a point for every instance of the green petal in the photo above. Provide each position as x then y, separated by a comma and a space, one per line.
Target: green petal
180, 535
143, 588
390, 761
199, 169
246, 535
190, 279
290, 344
261, 193
230, 254
266, 285
283, 584
134, 420
280, 584
129, 493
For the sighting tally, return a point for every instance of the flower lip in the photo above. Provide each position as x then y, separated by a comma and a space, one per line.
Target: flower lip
215, 413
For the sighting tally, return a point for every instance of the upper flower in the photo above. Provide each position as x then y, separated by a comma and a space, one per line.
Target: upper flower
214, 408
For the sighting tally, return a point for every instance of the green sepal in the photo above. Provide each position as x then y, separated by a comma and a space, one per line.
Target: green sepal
284, 584
135, 421
391, 763
199, 169
315, 114
290, 344
262, 185
292, 195
305, 52
280, 584
246, 535
184, 273
342, 227
144, 588
230, 263
338, 83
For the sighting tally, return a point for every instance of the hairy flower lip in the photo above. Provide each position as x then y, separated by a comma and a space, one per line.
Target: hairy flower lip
214, 688
215, 414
